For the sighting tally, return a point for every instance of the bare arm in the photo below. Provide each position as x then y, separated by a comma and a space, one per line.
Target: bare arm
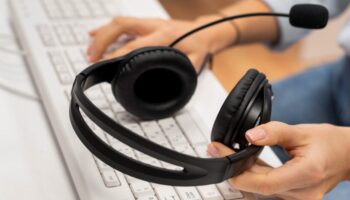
151, 32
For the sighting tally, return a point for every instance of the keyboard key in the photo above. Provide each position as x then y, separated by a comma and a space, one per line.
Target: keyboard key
110, 96
201, 151
52, 9
141, 156
135, 128
100, 133
66, 8
126, 118
65, 78
185, 149
102, 166
190, 128
83, 10
151, 128
116, 107
64, 34
131, 179
141, 188
171, 166
154, 133
108, 112
110, 178
165, 192
152, 161
118, 145
46, 35
177, 139
80, 33
151, 197
188, 193
95, 93
209, 192
58, 61
101, 103
228, 191
96, 8
173, 132
74, 55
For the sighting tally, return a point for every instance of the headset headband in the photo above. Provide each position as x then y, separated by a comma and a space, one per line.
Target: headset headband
196, 171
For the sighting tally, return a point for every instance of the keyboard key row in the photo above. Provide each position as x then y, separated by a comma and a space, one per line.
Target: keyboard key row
70, 9
110, 178
190, 129
61, 67
144, 190
188, 193
46, 35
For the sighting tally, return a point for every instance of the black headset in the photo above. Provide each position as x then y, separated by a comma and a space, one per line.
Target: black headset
156, 82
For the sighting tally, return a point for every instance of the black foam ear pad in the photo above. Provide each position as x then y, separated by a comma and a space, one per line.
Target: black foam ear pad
155, 82
231, 112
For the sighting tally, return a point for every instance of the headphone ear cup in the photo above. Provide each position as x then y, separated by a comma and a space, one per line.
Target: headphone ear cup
155, 82
231, 112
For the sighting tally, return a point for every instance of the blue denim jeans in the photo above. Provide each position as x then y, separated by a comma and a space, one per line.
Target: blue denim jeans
317, 95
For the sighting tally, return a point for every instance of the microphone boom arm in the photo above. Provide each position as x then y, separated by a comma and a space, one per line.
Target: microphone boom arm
224, 20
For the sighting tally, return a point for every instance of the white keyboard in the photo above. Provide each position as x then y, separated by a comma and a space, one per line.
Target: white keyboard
58, 31
179, 133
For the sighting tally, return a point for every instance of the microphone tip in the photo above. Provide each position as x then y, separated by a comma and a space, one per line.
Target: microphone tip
311, 16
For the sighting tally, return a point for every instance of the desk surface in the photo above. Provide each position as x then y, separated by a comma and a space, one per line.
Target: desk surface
31, 164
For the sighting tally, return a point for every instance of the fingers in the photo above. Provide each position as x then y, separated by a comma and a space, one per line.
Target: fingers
196, 59
217, 150
105, 36
108, 34
267, 181
275, 133
93, 32
261, 178
149, 40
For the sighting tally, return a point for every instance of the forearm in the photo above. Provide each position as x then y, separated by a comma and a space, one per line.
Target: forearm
247, 30
254, 29
346, 137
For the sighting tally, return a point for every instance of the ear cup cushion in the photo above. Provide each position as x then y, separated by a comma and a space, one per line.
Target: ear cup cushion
155, 82
234, 106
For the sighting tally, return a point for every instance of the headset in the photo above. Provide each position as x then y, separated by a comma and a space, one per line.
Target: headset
156, 82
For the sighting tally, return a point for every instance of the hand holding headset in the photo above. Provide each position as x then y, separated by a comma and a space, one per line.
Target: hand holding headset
156, 82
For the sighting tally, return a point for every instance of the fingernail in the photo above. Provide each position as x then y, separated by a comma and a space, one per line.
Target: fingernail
255, 134
92, 58
93, 55
213, 151
90, 49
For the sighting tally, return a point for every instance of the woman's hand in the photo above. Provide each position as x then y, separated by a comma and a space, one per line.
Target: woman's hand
320, 160
155, 32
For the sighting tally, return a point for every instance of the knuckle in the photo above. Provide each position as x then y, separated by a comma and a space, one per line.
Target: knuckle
266, 188
233, 182
316, 174
170, 30
118, 20
276, 124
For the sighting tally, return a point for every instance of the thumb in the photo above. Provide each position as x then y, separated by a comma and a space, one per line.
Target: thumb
217, 150
275, 133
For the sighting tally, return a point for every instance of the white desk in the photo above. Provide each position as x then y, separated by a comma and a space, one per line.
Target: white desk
31, 165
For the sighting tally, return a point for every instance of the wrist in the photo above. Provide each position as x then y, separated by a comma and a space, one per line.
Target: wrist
219, 36
346, 135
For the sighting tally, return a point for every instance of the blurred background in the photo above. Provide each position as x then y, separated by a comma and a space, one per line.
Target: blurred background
229, 65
